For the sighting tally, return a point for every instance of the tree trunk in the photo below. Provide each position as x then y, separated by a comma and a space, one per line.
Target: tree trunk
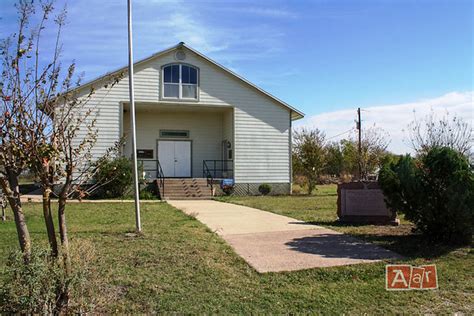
63, 232
4, 217
311, 186
48, 218
63, 299
12, 191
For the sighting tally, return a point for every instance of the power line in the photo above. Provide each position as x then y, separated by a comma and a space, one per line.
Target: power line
349, 130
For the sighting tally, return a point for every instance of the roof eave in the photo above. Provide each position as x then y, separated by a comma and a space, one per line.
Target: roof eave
296, 115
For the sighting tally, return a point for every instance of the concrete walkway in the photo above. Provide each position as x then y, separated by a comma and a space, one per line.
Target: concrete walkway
271, 243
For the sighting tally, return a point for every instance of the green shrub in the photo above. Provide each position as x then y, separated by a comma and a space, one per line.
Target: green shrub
33, 288
264, 189
30, 288
116, 177
147, 194
436, 193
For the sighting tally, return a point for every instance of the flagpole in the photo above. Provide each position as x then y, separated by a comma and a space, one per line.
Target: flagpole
132, 121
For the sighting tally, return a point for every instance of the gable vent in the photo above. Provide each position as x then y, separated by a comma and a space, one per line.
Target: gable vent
180, 55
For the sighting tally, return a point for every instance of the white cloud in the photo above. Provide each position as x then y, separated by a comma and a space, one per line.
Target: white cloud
195, 24
99, 42
393, 118
177, 27
262, 11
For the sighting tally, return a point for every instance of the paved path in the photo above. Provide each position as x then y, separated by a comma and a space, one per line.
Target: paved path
270, 242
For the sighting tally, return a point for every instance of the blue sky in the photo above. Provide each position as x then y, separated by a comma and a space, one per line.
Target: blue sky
319, 56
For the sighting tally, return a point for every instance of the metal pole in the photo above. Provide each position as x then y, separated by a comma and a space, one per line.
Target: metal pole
132, 120
359, 127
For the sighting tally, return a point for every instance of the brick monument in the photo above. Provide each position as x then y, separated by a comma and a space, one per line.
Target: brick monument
363, 202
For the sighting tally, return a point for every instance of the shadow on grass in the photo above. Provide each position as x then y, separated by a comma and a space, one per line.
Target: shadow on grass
340, 246
403, 241
331, 223
411, 246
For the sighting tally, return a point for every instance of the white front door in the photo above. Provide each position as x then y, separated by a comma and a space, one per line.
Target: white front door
166, 157
175, 158
182, 159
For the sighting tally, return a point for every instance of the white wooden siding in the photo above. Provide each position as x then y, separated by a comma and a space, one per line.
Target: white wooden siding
260, 125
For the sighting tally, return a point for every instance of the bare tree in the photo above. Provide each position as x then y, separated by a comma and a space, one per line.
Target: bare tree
63, 159
47, 126
73, 137
447, 131
374, 143
28, 85
15, 90
309, 155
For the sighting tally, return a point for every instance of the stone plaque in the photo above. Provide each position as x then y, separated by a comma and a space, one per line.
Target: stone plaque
363, 202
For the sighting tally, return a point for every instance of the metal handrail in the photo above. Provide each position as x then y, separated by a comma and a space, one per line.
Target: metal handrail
215, 171
218, 167
208, 175
161, 178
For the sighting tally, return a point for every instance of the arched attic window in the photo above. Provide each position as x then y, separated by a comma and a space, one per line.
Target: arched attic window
180, 81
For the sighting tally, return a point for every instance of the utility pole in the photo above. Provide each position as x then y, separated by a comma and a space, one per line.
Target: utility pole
133, 121
359, 128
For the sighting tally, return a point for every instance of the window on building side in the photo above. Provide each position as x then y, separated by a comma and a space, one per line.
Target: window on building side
180, 82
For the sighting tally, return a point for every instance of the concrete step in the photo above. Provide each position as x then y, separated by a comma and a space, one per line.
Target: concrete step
185, 194
193, 186
178, 186
187, 198
186, 189
183, 190
185, 179
185, 184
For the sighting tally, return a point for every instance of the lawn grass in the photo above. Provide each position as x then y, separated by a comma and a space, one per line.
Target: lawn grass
178, 265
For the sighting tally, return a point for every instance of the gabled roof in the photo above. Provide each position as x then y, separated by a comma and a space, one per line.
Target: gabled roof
295, 114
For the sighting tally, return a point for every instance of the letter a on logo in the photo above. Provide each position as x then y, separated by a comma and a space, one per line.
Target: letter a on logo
416, 278
397, 277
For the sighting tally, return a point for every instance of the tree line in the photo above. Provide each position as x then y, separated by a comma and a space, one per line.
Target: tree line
316, 159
